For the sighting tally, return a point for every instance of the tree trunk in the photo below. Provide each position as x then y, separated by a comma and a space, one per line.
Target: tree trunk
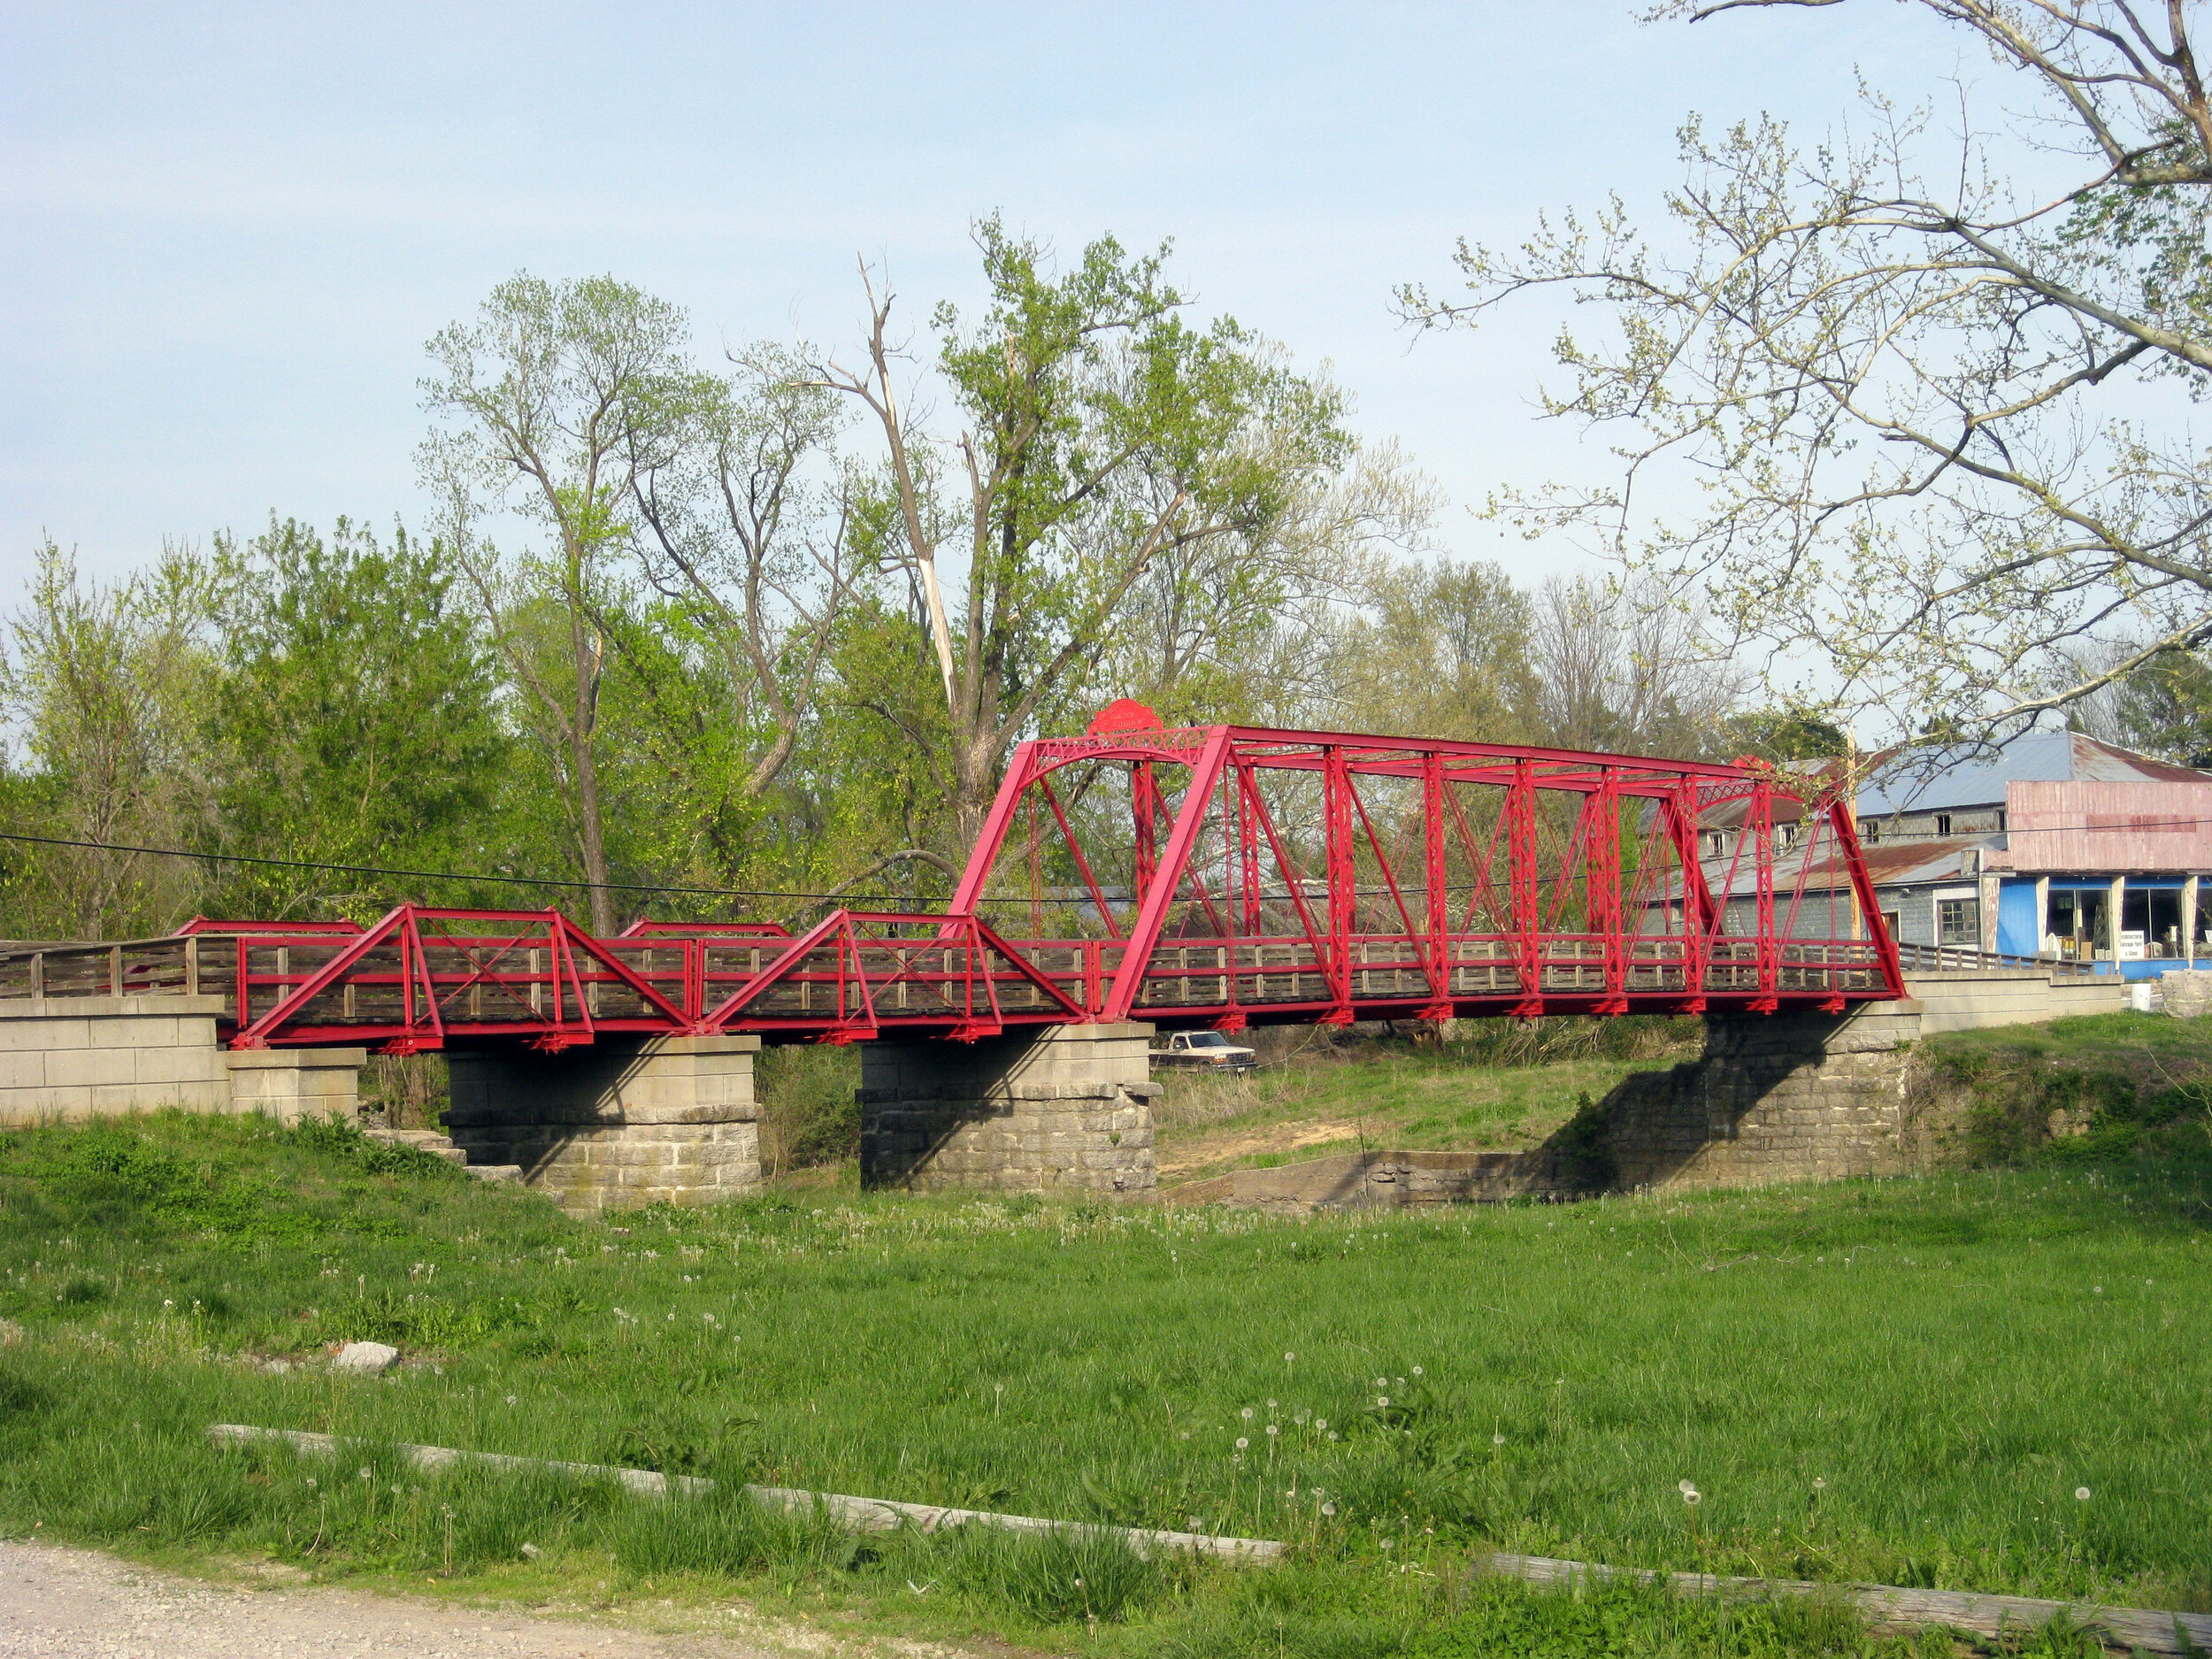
593, 840
583, 730
974, 786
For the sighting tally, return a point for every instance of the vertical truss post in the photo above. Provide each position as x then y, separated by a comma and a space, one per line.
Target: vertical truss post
1602, 889
1433, 873
1343, 876
1248, 847
1144, 804
1698, 909
1036, 870
1522, 880
1762, 862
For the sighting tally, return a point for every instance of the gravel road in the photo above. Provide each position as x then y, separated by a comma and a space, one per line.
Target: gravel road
74, 1604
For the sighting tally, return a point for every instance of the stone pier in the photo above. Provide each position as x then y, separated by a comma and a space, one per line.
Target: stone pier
1060, 1108
1779, 1097
616, 1125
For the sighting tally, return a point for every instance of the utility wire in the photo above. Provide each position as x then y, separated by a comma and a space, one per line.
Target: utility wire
441, 875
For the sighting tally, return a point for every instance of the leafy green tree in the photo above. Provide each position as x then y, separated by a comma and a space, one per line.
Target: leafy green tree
107, 686
357, 722
1097, 434
1785, 735
555, 402
1879, 399
2165, 707
1438, 649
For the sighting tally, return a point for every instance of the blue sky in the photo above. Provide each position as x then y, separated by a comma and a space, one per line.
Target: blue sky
226, 232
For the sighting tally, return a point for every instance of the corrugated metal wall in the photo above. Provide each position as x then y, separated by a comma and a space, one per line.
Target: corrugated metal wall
2109, 827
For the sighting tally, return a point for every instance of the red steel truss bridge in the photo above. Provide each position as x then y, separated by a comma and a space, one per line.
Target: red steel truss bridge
1208, 875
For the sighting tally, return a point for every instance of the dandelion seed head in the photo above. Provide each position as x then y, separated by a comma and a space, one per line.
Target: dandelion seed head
1272, 1429
1416, 1370
1382, 1400
1497, 1439
1328, 1508
1242, 1442
1246, 1414
2081, 1494
1287, 1358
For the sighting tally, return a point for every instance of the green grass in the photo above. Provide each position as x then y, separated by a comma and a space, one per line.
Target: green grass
1505, 1086
1952, 1356
2076, 1091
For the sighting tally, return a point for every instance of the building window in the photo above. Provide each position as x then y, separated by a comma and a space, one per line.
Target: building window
1891, 920
1958, 922
1943, 823
1873, 831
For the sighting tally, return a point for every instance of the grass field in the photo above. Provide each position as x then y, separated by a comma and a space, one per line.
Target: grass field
1904, 1382
1501, 1087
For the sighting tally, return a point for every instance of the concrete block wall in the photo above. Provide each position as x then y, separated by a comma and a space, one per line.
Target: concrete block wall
618, 1125
63, 1059
291, 1084
1060, 1108
1969, 1001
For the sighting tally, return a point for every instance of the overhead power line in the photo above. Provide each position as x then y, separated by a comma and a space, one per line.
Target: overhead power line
441, 875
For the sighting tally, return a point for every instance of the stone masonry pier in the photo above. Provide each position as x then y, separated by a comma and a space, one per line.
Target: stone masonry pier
617, 1125
1060, 1108
1783, 1097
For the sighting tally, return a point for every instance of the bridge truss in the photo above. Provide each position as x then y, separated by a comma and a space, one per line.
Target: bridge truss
1217, 875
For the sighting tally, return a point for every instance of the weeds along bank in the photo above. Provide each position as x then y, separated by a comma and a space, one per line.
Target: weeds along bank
1902, 1382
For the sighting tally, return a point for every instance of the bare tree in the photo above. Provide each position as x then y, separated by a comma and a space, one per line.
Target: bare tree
748, 523
1909, 390
1619, 667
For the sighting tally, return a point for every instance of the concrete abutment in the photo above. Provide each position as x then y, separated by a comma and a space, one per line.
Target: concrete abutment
1064, 1108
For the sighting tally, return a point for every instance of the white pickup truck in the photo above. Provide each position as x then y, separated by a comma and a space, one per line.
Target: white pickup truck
1207, 1049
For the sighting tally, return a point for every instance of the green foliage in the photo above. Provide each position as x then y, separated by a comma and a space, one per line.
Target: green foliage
356, 722
2079, 1092
810, 1113
2166, 708
1441, 651
106, 686
1786, 735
